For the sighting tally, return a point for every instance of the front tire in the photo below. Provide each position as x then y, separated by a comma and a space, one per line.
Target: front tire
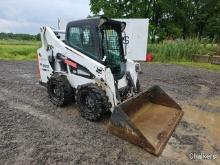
59, 90
92, 102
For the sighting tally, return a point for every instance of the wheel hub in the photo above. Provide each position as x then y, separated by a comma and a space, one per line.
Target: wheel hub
56, 91
90, 102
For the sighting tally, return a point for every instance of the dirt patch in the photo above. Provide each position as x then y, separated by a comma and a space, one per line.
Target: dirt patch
33, 131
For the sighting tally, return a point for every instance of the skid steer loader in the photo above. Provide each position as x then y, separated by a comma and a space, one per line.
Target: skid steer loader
87, 63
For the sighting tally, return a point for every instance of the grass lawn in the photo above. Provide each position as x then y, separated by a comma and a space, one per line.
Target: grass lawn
208, 66
18, 50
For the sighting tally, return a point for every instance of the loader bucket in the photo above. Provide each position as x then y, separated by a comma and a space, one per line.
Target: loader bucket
147, 119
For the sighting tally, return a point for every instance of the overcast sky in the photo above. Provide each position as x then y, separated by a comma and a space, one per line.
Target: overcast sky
27, 16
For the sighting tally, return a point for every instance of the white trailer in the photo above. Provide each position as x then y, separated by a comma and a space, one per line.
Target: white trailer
137, 31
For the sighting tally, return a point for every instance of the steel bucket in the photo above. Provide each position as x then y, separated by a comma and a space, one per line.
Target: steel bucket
147, 119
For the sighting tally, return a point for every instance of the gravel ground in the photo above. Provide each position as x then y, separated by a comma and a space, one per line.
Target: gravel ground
33, 131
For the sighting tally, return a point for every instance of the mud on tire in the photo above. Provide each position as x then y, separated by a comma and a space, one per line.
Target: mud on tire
59, 90
92, 102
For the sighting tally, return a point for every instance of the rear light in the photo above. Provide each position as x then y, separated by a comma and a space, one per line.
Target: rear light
149, 57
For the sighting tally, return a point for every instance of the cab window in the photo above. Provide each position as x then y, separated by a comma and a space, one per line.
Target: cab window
82, 39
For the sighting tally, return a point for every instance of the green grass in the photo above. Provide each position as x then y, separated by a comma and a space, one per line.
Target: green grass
181, 50
18, 50
207, 66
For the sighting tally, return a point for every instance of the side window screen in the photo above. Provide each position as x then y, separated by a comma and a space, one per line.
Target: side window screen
111, 44
81, 38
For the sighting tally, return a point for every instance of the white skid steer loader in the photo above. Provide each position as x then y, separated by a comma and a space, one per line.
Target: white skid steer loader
88, 65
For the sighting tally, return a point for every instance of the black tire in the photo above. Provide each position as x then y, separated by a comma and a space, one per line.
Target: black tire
92, 102
59, 90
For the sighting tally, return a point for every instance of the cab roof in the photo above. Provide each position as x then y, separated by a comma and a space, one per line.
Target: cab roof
91, 21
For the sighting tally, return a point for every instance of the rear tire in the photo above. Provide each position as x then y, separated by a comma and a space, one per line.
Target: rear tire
92, 102
59, 90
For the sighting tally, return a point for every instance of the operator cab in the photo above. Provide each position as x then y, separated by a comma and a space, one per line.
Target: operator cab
100, 39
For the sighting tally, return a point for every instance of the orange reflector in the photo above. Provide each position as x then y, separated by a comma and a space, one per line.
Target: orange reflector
72, 64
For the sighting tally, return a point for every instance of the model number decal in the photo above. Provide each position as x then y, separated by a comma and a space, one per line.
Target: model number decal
44, 65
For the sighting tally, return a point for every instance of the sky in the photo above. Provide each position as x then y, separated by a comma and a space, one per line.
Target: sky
27, 16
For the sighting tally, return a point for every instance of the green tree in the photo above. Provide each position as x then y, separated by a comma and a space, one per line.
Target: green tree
168, 18
7, 36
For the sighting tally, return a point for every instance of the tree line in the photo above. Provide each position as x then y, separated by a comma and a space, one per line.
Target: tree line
7, 36
168, 18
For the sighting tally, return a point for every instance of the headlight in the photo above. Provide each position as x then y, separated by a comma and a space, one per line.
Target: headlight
137, 67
